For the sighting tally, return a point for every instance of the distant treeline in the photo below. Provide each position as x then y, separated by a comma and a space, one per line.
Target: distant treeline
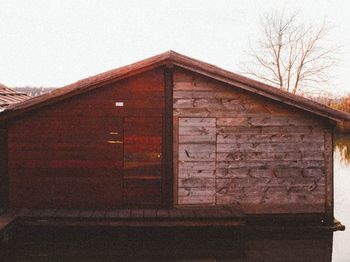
342, 141
342, 103
33, 91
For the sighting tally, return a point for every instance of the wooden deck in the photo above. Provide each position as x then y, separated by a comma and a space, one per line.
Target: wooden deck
132, 217
185, 217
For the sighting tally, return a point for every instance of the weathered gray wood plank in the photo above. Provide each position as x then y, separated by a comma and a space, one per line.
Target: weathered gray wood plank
197, 182
193, 191
197, 173
196, 200
261, 138
197, 148
196, 166
264, 156
196, 156
197, 121
226, 94
183, 103
267, 121
194, 86
271, 164
197, 139
197, 152
196, 130
270, 147
284, 130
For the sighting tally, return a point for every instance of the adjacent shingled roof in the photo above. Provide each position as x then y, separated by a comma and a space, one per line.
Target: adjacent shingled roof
9, 96
175, 59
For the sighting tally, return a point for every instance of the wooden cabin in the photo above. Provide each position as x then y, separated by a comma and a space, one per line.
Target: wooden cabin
169, 132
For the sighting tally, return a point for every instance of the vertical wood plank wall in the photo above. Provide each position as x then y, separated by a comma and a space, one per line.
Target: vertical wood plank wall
84, 152
238, 148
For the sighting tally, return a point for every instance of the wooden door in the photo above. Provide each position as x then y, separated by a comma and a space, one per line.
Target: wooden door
142, 180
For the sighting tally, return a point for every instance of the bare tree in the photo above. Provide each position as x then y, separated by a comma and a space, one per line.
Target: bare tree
290, 55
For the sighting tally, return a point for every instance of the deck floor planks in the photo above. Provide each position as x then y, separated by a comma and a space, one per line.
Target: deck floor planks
86, 213
162, 213
177, 215
60, 213
202, 213
182, 213
74, 213
150, 213
195, 217
137, 213
125, 213
114, 213
48, 213
34, 213
174, 213
99, 214
189, 213
130, 213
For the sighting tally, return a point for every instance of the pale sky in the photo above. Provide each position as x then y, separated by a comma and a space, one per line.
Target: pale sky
54, 43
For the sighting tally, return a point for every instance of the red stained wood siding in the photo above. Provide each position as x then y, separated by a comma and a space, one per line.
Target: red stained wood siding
84, 152
3, 169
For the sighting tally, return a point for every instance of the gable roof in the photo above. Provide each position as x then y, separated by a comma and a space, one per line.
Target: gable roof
9, 96
172, 58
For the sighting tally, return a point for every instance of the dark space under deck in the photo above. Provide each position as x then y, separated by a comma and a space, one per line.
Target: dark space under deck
164, 244
161, 234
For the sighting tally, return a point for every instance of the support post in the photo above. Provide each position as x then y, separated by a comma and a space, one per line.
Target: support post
328, 145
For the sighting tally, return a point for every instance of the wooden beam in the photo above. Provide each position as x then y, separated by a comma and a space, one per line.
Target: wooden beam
175, 159
167, 186
328, 145
3, 170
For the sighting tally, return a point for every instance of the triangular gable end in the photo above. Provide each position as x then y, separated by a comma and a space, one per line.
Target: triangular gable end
172, 58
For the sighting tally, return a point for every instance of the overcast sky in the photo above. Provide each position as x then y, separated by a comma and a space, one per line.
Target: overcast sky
53, 43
